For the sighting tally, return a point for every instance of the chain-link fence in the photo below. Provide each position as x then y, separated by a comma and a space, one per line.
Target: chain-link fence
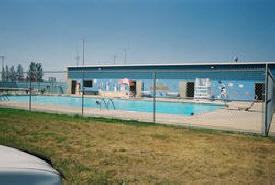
236, 99
226, 99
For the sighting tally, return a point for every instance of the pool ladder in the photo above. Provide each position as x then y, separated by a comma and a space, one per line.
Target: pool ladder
107, 102
4, 97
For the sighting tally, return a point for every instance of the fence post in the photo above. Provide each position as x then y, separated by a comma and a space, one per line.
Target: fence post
30, 93
154, 96
265, 102
82, 96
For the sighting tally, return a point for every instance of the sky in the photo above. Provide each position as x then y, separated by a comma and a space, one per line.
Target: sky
150, 31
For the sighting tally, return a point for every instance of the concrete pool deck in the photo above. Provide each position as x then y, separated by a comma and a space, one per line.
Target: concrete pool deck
230, 118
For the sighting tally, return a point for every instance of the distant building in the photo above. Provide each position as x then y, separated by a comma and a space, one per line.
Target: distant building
52, 79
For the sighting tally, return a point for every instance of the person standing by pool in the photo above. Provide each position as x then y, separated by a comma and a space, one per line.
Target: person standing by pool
223, 93
115, 87
78, 87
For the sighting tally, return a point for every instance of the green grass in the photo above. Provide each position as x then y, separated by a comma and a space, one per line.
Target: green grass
110, 151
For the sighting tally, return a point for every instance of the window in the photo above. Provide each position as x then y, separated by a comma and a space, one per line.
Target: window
88, 83
259, 91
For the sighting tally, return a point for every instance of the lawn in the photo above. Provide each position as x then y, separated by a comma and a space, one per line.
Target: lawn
104, 151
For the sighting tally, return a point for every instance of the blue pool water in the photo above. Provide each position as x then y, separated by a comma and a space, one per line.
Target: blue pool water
127, 105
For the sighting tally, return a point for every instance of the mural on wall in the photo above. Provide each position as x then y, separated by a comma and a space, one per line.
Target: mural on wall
228, 89
235, 90
109, 85
160, 86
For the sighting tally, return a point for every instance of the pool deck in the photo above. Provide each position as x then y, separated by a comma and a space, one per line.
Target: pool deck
230, 118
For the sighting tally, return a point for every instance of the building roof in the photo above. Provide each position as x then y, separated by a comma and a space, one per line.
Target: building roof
238, 71
174, 64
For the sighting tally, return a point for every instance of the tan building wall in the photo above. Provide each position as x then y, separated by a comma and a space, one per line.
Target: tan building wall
69, 86
183, 89
138, 88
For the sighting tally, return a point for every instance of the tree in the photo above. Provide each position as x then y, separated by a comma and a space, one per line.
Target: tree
32, 71
7, 74
3, 75
20, 73
39, 72
12, 75
35, 72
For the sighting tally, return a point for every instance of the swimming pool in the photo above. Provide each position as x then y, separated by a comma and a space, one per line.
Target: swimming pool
181, 108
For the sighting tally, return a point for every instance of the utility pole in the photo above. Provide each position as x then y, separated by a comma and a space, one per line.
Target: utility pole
114, 59
125, 55
83, 42
2, 57
77, 58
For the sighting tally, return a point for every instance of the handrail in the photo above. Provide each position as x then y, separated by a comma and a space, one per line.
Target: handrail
103, 99
106, 103
4, 97
110, 100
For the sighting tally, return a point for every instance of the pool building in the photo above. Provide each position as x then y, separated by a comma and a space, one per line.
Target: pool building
232, 81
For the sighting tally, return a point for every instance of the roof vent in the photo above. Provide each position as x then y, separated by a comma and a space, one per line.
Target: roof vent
235, 59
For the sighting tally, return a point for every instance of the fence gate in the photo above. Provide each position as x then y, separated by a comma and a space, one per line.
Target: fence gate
268, 101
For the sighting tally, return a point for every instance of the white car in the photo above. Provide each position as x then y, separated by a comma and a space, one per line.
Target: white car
20, 168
